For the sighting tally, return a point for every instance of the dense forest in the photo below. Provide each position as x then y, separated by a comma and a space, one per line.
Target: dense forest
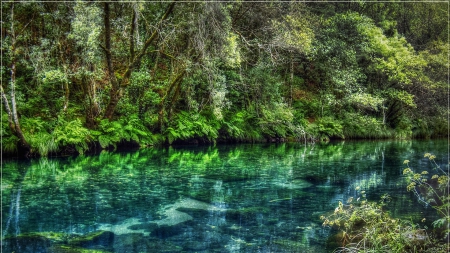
85, 76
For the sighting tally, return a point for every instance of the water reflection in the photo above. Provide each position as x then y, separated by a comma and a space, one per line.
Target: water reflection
257, 198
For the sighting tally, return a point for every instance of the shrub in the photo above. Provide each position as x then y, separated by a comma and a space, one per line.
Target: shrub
432, 191
276, 120
234, 126
326, 128
192, 125
72, 133
35, 131
362, 126
365, 227
126, 129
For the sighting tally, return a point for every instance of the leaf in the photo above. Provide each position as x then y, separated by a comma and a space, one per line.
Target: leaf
439, 223
104, 141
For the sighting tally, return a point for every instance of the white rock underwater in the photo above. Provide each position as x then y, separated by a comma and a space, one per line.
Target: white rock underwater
170, 213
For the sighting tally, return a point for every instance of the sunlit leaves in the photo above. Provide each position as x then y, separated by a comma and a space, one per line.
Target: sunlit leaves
392, 56
403, 96
294, 32
276, 120
54, 77
86, 29
367, 101
231, 50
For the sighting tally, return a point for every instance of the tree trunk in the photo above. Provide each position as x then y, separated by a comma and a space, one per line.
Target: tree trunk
114, 92
8, 111
13, 112
162, 110
291, 82
66, 82
116, 87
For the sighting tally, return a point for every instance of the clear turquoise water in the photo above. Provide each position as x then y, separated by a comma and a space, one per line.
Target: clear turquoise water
227, 198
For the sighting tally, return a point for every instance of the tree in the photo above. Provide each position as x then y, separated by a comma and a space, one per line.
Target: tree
13, 117
117, 86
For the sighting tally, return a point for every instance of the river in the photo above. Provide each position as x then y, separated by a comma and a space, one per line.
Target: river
224, 198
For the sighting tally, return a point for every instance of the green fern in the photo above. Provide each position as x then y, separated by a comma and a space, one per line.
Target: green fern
43, 142
9, 143
186, 126
36, 134
9, 140
134, 130
110, 133
127, 129
72, 133
234, 126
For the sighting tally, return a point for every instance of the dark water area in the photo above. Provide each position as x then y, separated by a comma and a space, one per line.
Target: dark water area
226, 198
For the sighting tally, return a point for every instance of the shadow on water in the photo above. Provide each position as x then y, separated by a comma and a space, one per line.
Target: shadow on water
230, 198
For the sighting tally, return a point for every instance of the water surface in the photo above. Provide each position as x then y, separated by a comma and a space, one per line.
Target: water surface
229, 198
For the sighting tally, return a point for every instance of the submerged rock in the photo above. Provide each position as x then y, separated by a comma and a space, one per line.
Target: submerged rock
196, 246
27, 243
127, 226
53, 237
171, 215
72, 249
94, 240
293, 184
53, 242
165, 231
148, 227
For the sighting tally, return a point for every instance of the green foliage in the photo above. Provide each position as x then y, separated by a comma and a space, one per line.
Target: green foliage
231, 51
294, 32
366, 101
403, 129
357, 126
394, 56
234, 126
55, 77
126, 129
342, 70
326, 128
403, 96
189, 126
9, 140
37, 136
366, 227
141, 96
72, 133
86, 29
432, 191
243, 126
440, 126
421, 129
339, 49
276, 120
109, 133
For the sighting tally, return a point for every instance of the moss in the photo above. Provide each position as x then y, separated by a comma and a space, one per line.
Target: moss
102, 238
33, 242
73, 249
